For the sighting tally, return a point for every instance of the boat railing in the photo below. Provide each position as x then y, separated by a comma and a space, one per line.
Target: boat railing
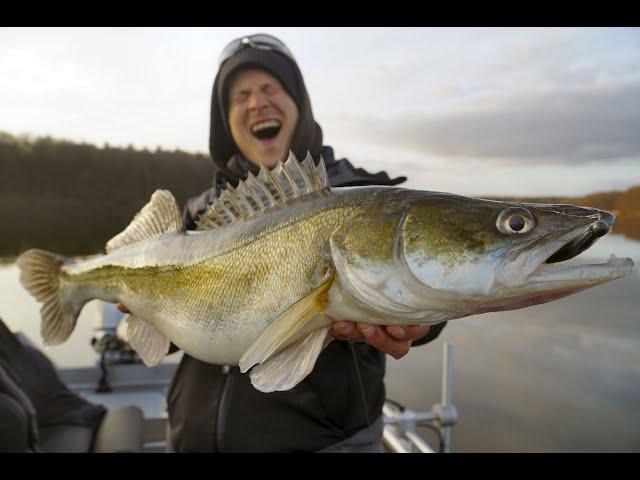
401, 424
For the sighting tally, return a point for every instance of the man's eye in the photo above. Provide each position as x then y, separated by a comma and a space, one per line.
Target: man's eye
239, 97
269, 89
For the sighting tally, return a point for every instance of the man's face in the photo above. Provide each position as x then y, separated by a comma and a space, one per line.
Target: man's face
262, 117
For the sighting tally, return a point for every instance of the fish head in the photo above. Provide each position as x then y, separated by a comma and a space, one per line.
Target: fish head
452, 256
500, 256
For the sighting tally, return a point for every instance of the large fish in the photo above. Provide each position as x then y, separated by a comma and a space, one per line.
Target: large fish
275, 258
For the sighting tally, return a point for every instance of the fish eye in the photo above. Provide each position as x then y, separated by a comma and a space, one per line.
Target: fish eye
515, 220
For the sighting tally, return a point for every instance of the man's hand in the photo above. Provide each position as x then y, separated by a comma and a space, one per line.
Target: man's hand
393, 340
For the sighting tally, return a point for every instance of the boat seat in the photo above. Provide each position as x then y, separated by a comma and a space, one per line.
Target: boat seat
39, 413
65, 439
120, 431
14, 425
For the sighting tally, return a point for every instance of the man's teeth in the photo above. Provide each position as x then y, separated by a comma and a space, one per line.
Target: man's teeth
266, 124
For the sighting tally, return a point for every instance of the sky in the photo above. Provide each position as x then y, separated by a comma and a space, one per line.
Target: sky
473, 111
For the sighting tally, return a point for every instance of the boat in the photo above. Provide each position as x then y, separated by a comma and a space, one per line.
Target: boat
135, 397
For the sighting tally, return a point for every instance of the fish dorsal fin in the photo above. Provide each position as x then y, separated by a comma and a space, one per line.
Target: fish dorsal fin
160, 215
271, 188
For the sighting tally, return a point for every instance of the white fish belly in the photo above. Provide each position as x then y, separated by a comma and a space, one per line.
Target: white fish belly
220, 343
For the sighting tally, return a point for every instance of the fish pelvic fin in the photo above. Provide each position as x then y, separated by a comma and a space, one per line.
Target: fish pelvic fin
299, 319
161, 215
271, 188
289, 367
40, 276
148, 342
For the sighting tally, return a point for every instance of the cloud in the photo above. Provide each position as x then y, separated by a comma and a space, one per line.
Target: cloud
563, 126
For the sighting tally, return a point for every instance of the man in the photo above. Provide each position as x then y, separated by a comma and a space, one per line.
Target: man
260, 110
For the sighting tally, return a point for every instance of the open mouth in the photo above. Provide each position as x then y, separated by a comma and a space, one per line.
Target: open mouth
547, 275
569, 246
266, 129
578, 245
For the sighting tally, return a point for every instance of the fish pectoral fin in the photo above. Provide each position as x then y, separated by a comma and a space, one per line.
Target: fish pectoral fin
160, 215
149, 342
289, 367
295, 321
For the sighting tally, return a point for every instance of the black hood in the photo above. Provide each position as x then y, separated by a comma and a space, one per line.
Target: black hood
307, 136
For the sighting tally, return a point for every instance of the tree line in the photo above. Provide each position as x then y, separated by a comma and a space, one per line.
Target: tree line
73, 197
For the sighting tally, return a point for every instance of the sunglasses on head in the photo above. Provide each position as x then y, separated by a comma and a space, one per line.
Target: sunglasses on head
261, 41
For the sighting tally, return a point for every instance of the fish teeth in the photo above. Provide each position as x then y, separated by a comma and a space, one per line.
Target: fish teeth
266, 124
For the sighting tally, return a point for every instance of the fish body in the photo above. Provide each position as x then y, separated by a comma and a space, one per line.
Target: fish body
213, 292
275, 260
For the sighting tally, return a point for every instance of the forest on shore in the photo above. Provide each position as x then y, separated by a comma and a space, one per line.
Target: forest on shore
71, 197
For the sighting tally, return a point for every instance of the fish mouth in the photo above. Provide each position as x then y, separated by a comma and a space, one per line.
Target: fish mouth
554, 272
581, 243
546, 274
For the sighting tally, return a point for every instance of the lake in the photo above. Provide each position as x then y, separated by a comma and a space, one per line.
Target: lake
559, 377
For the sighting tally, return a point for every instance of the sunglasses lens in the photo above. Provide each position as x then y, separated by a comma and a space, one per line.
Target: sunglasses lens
260, 40
229, 50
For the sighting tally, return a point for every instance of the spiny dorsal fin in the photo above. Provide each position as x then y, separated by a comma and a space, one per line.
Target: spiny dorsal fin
160, 215
271, 188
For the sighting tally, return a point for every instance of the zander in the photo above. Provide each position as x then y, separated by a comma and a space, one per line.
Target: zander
277, 258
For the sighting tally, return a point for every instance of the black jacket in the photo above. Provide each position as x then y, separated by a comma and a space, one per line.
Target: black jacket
214, 408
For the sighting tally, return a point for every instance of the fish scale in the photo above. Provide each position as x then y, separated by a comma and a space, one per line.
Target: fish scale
212, 295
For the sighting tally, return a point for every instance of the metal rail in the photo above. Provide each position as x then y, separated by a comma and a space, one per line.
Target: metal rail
400, 435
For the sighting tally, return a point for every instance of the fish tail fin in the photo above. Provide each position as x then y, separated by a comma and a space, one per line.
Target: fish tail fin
40, 276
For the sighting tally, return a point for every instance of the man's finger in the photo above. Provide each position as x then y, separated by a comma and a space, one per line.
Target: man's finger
345, 331
407, 333
378, 338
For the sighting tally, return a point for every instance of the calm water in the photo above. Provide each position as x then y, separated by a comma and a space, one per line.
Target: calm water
559, 377
564, 376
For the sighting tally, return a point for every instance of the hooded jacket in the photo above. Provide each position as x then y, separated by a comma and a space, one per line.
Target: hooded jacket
214, 408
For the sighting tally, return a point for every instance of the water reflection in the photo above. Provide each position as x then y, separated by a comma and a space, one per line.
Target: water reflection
564, 376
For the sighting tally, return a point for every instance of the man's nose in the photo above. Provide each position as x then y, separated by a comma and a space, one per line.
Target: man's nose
257, 101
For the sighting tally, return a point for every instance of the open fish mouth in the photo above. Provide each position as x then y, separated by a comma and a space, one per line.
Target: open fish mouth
546, 275
581, 243
553, 271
